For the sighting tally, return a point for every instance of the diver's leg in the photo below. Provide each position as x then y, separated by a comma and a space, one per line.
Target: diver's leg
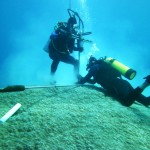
136, 94
75, 63
55, 61
143, 100
133, 95
126, 94
53, 69
76, 68
54, 66
122, 89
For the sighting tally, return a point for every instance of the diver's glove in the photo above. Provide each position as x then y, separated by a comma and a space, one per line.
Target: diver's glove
147, 79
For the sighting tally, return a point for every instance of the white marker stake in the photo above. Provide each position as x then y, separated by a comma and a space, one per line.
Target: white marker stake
10, 113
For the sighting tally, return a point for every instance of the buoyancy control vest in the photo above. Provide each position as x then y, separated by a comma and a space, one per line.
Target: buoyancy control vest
62, 43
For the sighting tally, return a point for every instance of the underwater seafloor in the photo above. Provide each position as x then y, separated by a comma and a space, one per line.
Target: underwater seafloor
72, 118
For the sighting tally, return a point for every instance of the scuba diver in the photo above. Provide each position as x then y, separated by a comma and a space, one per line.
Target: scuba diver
108, 73
65, 39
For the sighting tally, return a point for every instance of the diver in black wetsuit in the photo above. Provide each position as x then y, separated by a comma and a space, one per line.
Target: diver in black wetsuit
111, 80
62, 44
66, 38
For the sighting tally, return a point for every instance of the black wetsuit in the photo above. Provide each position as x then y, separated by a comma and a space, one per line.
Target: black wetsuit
110, 79
60, 48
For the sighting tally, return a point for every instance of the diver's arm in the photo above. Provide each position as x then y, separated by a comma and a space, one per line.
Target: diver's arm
85, 79
92, 72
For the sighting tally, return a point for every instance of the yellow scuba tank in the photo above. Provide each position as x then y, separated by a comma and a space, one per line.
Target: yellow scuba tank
124, 70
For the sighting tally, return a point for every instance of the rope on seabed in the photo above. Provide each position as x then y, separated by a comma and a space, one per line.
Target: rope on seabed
73, 86
55, 85
15, 88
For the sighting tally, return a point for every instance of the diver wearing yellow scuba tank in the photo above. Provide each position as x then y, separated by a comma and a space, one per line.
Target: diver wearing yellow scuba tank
109, 77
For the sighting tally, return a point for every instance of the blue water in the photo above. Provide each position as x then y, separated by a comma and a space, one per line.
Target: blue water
120, 30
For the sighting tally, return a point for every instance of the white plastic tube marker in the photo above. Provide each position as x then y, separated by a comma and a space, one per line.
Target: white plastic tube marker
10, 113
